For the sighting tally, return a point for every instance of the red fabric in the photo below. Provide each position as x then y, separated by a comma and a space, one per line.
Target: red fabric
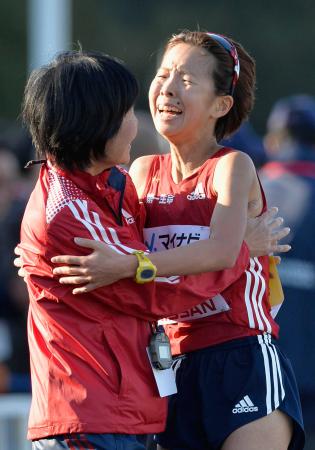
90, 371
192, 206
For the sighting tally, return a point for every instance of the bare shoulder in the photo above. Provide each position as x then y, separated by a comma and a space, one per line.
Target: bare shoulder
139, 170
235, 163
236, 159
235, 167
141, 165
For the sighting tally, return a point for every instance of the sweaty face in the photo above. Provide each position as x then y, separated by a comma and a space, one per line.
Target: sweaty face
182, 93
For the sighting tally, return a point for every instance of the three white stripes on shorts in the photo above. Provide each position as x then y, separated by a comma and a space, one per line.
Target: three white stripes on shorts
274, 385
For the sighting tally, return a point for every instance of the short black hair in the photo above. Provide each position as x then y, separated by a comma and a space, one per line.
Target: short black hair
75, 104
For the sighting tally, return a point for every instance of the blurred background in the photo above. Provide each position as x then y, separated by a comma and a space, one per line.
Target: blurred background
280, 137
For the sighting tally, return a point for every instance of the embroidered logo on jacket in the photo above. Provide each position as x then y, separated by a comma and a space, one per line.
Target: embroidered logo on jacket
128, 217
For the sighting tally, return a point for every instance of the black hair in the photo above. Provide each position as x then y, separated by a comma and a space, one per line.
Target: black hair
75, 104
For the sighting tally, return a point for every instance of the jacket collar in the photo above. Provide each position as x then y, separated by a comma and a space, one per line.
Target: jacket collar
108, 185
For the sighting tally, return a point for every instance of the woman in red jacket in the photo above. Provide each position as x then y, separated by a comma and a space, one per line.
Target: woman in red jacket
92, 382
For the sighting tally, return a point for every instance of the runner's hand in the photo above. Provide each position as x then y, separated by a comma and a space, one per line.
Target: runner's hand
263, 234
18, 262
102, 267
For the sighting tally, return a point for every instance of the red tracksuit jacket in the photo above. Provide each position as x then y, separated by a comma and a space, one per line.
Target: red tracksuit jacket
89, 367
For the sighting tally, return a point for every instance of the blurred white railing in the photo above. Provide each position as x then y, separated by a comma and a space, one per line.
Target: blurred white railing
14, 409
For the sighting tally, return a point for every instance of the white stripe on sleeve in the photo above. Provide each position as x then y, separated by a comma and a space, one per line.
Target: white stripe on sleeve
87, 225
96, 225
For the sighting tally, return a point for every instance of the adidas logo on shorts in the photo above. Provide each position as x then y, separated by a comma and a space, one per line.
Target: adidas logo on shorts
244, 406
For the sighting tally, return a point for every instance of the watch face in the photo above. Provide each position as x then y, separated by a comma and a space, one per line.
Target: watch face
147, 273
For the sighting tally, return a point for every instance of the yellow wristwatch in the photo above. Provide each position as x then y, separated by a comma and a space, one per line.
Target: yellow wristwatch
146, 270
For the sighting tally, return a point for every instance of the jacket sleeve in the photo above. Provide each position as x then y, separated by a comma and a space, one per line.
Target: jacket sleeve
165, 296
151, 301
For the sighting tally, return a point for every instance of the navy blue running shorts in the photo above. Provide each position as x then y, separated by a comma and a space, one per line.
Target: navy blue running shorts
85, 441
225, 386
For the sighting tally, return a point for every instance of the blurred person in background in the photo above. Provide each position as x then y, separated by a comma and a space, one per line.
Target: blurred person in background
289, 181
19, 142
247, 140
14, 360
